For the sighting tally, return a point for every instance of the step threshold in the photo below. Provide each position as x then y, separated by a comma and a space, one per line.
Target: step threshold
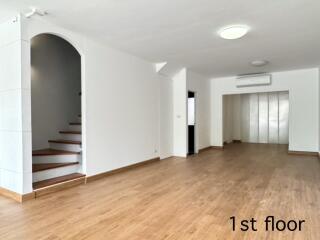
58, 180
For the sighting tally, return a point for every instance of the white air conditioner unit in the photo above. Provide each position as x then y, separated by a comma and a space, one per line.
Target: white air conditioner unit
253, 80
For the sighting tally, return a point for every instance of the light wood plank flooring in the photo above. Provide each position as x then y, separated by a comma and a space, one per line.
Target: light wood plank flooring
179, 198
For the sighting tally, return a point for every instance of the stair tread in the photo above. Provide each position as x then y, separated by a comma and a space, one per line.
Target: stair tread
75, 123
53, 181
52, 152
71, 132
65, 141
46, 166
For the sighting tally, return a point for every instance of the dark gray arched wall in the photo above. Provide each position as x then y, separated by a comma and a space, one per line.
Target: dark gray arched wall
55, 87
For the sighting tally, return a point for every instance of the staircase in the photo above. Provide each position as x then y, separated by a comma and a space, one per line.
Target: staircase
61, 162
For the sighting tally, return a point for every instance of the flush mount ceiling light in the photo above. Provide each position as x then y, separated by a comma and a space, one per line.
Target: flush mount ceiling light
259, 63
233, 32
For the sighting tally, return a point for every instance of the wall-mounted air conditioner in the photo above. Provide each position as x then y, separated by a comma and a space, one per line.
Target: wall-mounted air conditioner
253, 80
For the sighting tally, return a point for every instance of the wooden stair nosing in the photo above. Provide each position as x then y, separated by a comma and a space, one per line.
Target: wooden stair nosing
55, 181
71, 132
75, 123
38, 167
52, 152
65, 142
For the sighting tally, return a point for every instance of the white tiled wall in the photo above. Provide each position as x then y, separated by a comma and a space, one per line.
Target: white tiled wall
15, 114
11, 151
10, 110
9, 62
11, 180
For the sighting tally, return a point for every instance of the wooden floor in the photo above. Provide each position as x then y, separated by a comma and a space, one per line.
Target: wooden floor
179, 199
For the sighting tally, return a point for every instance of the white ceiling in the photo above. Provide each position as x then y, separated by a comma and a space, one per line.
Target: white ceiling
284, 32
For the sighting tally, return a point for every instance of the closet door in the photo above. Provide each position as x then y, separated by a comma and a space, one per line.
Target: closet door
245, 118
273, 118
283, 117
254, 118
265, 118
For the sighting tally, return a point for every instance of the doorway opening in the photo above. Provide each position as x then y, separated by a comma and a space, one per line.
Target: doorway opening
191, 123
56, 111
256, 118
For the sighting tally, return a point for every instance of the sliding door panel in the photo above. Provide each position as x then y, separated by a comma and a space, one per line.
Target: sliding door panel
245, 118
254, 118
273, 118
263, 118
283, 117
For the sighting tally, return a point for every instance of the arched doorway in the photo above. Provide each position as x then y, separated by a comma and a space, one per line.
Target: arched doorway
56, 111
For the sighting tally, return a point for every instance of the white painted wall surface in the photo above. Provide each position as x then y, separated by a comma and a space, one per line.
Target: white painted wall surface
166, 116
55, 87
180, 113
303, 87
231, 118
15, 121
201, 85
122, 109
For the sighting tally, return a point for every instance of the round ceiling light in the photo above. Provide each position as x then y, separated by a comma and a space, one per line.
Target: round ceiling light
259, 63
233, 32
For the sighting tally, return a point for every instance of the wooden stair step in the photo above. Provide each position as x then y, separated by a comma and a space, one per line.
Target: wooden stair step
70, 132
75, 123
65, 142
47, 166
57, 180
52, 152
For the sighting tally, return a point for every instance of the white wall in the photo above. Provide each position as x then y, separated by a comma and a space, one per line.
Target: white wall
303, 87
173, 112
166, 116
122, 109
15, 121
55, 87
228, 118
231, 118
180, 114
201, 85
